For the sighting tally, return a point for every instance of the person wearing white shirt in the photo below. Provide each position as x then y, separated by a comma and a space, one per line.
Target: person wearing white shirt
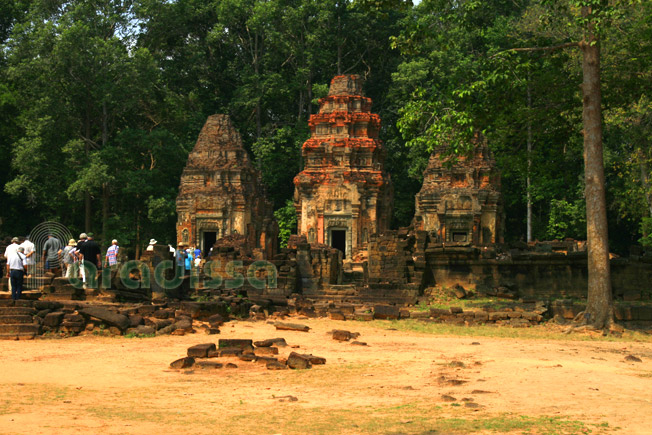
16, 272
12, 248
30, 259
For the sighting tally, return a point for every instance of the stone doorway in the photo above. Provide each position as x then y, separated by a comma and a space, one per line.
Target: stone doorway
208, 240
338, 240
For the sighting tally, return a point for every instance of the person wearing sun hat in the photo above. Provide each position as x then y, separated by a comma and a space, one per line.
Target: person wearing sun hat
68, 256
150, 247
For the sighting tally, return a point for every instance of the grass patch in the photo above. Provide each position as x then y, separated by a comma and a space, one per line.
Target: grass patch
135, 335
409, 418
15, 397
537, 332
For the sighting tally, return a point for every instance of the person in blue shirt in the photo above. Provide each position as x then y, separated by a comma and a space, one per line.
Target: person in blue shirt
180, 259
189, 260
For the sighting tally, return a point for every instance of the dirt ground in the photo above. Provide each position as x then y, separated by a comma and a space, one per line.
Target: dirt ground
396, 384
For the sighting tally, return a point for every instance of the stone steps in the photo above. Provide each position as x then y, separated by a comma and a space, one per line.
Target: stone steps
9, 311
20, 328
13, 319
17, 336
31, 295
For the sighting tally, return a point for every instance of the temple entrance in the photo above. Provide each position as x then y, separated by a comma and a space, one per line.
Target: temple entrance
209, 239
338, 240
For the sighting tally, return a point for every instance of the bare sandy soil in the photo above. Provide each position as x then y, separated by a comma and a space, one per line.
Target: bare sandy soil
395, 384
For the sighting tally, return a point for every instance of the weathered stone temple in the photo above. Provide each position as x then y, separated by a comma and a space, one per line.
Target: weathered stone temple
221, 192
461, 202
343, 195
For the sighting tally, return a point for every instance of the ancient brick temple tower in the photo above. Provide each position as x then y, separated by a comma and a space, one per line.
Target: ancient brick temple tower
461, 203
343, 195
221, 192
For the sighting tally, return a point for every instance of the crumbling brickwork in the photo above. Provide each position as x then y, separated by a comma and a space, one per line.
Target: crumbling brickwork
460, 201
343, 195
221, 192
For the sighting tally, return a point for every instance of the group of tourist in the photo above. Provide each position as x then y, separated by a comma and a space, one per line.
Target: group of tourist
58, 259
187, 258
20, 260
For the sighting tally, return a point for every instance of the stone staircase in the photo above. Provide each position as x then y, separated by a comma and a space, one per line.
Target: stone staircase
17, 321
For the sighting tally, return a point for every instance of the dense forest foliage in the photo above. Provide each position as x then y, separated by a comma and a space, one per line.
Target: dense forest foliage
101, 101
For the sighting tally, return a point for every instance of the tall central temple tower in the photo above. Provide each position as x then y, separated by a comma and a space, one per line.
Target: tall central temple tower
343, 195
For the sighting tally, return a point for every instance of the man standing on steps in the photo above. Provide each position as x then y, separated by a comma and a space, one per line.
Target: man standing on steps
12, 248
9, 251
112, 254
16, 272
30, 255
51, 255
90, 254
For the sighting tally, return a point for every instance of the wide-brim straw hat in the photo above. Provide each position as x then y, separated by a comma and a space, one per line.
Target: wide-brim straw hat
152, 241
72, 242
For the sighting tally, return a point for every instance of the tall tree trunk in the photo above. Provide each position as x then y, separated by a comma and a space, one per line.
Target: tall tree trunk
87, 151
105, 186
529, 164
137, 232
599, 307
105, 213
645, 179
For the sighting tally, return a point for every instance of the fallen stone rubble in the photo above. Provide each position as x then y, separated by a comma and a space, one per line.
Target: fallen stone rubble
26, 319
265, 352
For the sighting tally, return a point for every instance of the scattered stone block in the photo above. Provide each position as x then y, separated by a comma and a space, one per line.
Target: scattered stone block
208, 365
279, 342
141, 330
298, 361
109, 317
182, 363
216, 320
266, 351
276, 365
201, 350
228, 351
291, 327
244, 345
342, 335
386, 312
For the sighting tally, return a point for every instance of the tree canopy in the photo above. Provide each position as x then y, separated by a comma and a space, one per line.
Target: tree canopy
101, 102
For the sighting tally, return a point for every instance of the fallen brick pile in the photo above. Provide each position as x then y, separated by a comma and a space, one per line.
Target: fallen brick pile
266, 352
517, 315
26, 319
